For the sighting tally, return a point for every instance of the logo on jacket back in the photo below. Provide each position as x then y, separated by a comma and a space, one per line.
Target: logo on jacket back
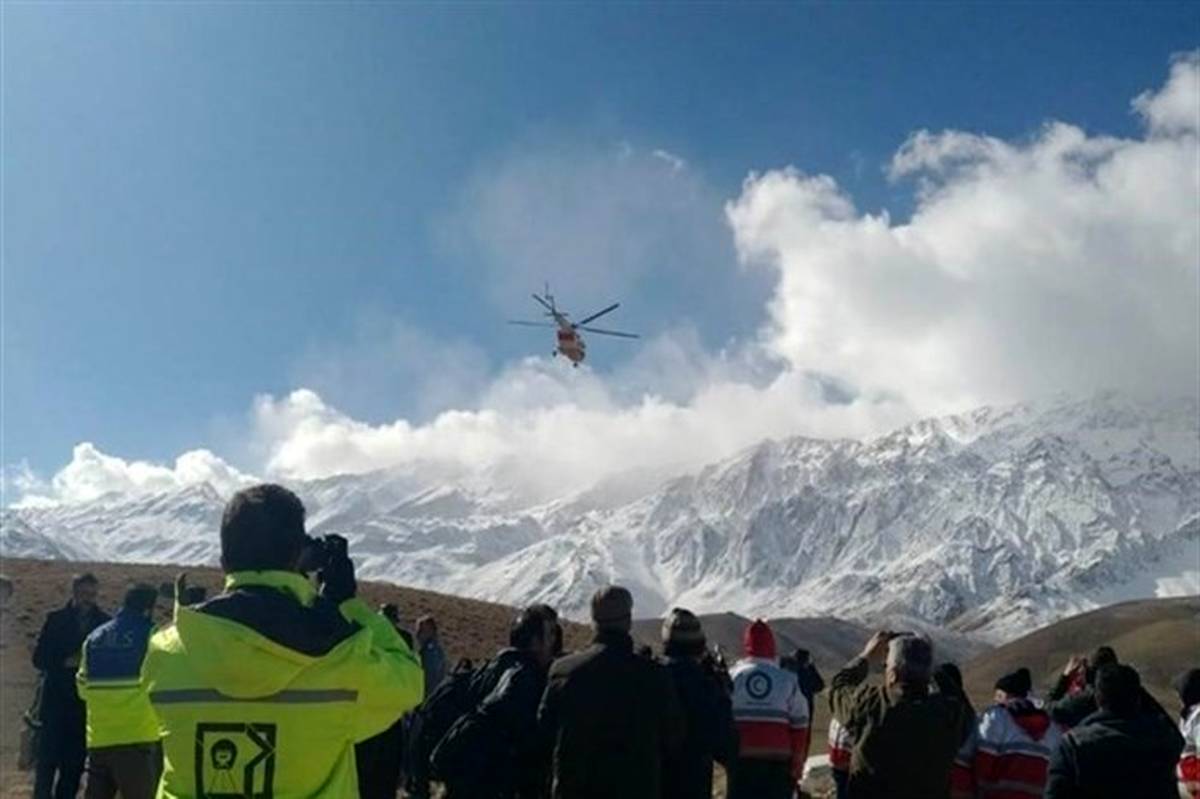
235, 761
115, 649
759, 685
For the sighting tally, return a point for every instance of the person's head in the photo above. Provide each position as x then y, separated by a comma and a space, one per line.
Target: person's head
612, 609
262, 529
682, 635
802, 657
1103, 656
427, 629
758, 641
1014, 685
1187, 685
909, 662
1119, 690
948, 679
532, 632
84, 588
140, 600
390, 612
552, 614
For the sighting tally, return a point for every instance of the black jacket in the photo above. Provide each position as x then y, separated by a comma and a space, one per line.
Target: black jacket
613, 717
810, 682
711, 734
61, 638
494, 751
1111, 757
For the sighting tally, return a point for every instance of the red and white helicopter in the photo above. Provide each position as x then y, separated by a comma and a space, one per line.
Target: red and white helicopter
570, 344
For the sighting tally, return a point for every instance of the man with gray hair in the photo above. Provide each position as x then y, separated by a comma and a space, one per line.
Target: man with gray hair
905, 737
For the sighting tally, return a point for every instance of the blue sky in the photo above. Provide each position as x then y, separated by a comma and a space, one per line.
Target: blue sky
204, 202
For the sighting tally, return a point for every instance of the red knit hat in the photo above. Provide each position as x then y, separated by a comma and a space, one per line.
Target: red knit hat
759, 641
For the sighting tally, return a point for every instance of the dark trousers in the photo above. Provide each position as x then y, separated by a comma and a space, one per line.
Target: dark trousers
761, 779
132, 770
378, 760
841, 781
60, 757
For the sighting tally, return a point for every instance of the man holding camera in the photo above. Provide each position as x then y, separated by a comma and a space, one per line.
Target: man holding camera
265, 689
904, 737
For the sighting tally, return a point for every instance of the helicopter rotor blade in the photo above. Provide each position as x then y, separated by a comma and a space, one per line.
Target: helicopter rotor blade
545, 304
524, 323
602, 332
598, 314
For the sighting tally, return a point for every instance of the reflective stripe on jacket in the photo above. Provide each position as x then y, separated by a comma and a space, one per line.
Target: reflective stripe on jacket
840, 745
771, 714
1189, 761
109, 681
265, 689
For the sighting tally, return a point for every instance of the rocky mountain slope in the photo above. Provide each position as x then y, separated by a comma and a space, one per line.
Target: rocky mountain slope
987, 523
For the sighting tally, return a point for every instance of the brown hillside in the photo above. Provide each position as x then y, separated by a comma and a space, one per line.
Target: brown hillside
1160, 637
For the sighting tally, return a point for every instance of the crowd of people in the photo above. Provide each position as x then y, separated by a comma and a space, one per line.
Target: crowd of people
288, 686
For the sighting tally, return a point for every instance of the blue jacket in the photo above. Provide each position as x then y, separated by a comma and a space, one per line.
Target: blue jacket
110, 682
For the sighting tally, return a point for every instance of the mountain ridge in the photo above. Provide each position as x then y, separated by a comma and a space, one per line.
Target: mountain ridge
985, 523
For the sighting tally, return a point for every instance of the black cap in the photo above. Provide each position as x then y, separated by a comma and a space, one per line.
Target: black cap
1188, 686
1017, 683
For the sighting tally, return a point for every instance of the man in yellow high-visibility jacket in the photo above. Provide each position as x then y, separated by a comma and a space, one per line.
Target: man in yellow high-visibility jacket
263, 690
124, 755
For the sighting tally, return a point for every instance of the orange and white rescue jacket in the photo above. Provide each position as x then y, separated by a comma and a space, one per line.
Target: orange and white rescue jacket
771, 714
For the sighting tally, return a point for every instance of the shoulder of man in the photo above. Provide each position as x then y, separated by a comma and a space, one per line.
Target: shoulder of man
867, 700
100, 629
568, 664
311, 630
58, 616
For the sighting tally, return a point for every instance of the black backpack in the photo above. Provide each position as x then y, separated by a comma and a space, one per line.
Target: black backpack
470, 756
450, 701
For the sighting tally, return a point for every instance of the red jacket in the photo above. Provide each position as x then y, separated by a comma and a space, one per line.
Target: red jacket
1008, 756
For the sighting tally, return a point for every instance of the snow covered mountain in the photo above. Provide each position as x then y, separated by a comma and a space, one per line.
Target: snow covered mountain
988, 523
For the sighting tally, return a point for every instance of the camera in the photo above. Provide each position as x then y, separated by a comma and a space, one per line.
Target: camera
318, 553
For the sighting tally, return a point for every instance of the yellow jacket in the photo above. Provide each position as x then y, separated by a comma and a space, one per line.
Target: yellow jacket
265, 689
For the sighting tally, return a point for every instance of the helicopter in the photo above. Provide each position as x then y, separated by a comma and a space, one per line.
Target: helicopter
570, 343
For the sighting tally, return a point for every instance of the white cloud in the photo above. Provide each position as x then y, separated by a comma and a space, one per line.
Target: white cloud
1176, 108
91, 474
676, 163
544, 447
1063, 262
